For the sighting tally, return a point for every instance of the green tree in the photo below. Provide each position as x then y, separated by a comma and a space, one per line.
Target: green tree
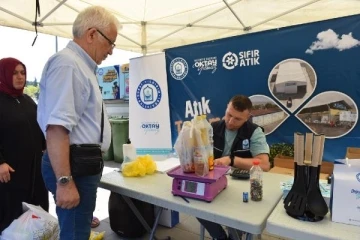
31, 91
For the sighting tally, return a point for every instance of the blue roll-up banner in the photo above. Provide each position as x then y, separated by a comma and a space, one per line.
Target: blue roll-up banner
304, 78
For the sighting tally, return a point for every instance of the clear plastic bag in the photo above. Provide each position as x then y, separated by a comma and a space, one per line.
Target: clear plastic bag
184, 147
200, 154
191, 149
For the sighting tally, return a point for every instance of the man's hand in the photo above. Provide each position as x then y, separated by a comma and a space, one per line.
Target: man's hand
225, 161
5, 170
67, 196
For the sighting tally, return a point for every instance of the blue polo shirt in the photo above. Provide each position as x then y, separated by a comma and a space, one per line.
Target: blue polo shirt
70, 97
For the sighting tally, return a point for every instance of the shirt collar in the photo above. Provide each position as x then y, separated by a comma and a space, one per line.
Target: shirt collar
84, 55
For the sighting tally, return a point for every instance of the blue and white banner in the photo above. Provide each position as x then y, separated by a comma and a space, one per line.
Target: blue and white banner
149, 117
304, 78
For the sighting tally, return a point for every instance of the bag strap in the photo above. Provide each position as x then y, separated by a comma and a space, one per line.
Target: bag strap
102, 122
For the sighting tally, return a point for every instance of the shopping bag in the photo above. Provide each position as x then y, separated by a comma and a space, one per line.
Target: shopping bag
34, 224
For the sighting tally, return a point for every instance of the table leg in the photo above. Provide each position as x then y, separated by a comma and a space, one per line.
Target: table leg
202, 232
234, 234
157, 217
141, 218
239, 235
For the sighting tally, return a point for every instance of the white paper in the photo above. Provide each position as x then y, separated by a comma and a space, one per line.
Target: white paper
346, 194
167, 164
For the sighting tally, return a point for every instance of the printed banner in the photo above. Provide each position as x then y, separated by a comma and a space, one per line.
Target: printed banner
149, 117
304, 78
111, 82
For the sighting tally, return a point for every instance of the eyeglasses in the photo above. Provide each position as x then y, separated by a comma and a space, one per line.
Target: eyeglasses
110, 42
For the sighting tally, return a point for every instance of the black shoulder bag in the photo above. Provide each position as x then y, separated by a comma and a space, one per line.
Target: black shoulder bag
86, 159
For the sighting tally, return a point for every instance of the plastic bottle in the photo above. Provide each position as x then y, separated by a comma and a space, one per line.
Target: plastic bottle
200, 156
256, 181
129, 152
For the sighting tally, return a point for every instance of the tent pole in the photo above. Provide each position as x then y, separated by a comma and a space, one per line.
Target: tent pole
52, 10
127, 38
56, 44
15, 15
284, 13
235, 15
195, 25
143, 38
212, 13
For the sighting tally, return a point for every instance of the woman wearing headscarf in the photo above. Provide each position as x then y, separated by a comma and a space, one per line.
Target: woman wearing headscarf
21, 145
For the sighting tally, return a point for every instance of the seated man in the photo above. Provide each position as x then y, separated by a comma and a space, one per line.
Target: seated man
237, 142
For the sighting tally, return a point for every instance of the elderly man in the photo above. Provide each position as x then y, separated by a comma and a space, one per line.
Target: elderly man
237, 142
70, 111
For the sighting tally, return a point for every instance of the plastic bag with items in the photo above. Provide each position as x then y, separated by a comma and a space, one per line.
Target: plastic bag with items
96, 235
191, 148
141, 166
34, 224
184, 147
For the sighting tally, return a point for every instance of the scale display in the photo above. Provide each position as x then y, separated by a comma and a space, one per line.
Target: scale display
204, 188
197, 188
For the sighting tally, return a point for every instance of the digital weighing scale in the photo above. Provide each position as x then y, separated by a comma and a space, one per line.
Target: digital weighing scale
204, 188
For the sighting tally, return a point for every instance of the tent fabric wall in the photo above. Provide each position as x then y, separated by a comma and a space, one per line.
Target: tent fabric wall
335, 79
154, 25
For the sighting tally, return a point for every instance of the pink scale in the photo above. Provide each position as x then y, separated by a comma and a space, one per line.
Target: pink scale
204, 188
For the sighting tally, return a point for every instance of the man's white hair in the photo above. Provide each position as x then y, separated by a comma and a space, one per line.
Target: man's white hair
93, 17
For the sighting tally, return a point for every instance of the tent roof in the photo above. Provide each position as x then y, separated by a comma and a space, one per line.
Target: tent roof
329, 98
153, 25
290, 71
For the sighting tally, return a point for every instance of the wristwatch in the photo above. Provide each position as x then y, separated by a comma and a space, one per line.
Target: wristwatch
232, 157
63, 180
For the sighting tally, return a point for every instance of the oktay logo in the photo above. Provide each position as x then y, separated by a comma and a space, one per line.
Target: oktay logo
356, 192
150, 127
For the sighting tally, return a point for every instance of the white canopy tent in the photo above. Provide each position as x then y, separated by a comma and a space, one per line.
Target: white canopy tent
153, 25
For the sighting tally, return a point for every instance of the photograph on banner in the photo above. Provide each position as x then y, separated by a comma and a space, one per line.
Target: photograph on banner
125, 72
292, 66
331, 113
291, 82
109, 82
267, 113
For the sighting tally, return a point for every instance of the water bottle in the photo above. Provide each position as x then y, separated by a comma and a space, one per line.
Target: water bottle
129, 152
256, 181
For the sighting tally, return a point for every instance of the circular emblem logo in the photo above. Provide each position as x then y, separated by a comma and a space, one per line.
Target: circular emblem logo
245, 144
358, 177
148, 94
230, 60
179, 68
100, 71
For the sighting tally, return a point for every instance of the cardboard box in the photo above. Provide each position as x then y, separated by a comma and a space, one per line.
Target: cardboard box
285, 165
169, 218
290, 172
352, 153
345, 194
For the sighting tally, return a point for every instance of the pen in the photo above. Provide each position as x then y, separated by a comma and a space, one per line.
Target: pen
185, 199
